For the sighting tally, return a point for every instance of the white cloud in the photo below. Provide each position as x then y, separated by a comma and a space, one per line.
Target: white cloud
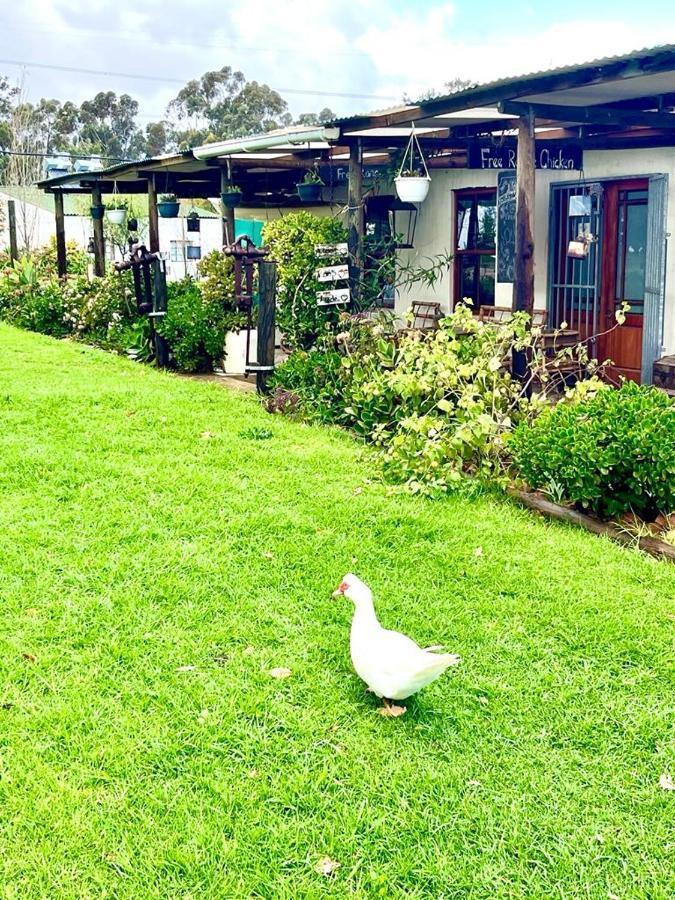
373, 48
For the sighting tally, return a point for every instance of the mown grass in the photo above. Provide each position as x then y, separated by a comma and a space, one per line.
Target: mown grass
145, 528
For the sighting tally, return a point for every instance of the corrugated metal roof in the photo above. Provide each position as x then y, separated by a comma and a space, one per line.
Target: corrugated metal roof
515, 80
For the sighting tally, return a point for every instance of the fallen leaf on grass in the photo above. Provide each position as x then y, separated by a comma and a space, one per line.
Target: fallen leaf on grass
29, 657
280, 672
268, 555
474, 782
252, 773
359, 490
666, 782
326, 866
249, 650
478, 551
186, 668
205, 435
203, 715
33, 611
483, 700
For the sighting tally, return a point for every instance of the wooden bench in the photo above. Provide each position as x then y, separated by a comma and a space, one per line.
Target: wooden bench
505, 313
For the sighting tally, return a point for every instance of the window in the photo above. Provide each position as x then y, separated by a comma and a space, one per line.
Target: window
179, 251
474, 245
631, 249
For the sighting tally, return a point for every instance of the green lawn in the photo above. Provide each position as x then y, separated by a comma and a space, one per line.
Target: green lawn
144, 530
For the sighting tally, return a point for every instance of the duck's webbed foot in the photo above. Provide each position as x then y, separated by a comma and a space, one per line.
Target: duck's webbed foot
391, 710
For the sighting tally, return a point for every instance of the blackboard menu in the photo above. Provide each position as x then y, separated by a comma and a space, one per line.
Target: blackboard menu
506, 226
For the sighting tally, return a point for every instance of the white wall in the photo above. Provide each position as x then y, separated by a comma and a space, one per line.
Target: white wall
435, 222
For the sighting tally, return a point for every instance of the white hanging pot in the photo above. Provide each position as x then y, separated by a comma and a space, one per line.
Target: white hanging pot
117, 216
412, 188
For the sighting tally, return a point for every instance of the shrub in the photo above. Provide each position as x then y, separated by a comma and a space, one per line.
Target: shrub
316, 379
612, 453
436, 405
291, 241
217, 280
195, 325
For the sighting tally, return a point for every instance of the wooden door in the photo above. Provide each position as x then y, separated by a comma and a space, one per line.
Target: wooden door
624, 256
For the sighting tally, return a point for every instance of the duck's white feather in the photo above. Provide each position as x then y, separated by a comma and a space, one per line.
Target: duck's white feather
390, 663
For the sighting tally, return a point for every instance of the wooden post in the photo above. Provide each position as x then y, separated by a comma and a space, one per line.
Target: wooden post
523, 283
11, 224
355, 219
99, 241
228, 218
61, 261
266, 323
153, 217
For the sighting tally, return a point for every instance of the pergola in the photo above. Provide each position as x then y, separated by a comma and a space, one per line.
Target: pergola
614, 103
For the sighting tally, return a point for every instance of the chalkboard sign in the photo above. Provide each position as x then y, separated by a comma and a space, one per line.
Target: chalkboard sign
547, 155
506, 226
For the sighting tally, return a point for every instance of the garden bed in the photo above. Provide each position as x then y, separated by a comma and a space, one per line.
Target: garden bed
536, 501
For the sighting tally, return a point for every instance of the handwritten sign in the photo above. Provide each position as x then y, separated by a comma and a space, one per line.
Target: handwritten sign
339, 174
332, 273
547, 155
333, 298
331, 251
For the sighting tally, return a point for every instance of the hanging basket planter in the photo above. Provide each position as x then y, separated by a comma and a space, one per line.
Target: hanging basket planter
412, 188
97, 212
168, 206
231, 198
413, 179
117, 216
309, 191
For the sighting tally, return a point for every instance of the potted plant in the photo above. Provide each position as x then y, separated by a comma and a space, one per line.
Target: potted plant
132, 223
412, 185
413, 180
231, 196
168, 206
117, 212
310, 186
97, 211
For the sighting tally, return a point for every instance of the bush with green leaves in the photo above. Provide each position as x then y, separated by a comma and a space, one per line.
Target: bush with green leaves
612, 454
291, 241
195, 325
436, 405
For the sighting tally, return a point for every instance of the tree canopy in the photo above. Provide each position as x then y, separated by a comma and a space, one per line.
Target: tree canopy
220, 104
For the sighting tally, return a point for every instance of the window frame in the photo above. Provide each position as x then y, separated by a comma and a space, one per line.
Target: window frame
459, 194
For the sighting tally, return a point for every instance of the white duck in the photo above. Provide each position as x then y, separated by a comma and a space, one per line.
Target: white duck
392, 665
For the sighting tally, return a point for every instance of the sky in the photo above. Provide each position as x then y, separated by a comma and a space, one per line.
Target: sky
350, 56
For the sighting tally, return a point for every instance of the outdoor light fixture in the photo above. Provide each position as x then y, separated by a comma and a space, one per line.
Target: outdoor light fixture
402, 223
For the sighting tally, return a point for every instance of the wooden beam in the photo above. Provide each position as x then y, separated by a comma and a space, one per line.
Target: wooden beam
591, 115
11, 225
523, 283
99, 241
355, 219
153, 217
61, 260
228, 218
266, 322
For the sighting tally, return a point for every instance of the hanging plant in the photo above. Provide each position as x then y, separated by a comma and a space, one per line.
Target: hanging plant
117, 211
168, 206
310, 187
413, 179
231, 196
97, 211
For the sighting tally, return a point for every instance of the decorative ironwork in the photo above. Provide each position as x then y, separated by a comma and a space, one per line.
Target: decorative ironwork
246, 256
